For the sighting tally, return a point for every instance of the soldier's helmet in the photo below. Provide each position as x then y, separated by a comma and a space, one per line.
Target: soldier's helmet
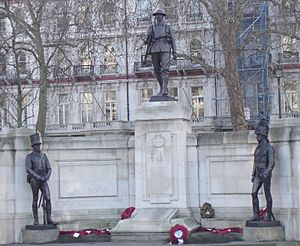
262, 127
35, 139
159, 12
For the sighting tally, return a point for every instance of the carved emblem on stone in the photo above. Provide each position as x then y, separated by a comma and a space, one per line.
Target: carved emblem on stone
158, 141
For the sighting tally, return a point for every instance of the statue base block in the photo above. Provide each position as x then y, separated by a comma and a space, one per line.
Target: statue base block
263, 231
262, 223
40, 227
161, 98
39, 234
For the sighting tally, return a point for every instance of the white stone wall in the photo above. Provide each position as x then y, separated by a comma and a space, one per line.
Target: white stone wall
89, 185
225, 167
93, 177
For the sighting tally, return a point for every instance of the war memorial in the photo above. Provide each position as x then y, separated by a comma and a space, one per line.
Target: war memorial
159, 167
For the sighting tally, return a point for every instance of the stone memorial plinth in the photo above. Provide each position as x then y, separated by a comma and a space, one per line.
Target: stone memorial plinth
263, 231
161, 193
39, 234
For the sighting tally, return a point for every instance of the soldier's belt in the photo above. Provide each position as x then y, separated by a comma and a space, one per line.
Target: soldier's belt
39, 172
165, 37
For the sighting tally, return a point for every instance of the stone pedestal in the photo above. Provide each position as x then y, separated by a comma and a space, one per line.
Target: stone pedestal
263, 231
39, 234
161, 176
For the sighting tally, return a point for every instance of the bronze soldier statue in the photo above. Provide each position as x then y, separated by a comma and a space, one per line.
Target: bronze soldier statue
160, 41
38, 173
264, 163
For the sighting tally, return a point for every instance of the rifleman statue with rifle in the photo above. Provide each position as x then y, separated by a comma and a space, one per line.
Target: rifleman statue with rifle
38, 173
160, 41
264, 162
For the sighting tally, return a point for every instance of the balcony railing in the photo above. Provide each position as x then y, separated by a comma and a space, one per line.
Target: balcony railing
83, 70
291, 115
89, 126
109, 69
59, 72
178, 64
212, 123
289, 57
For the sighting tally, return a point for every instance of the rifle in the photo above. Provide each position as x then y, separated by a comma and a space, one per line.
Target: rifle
147, 53
44, 208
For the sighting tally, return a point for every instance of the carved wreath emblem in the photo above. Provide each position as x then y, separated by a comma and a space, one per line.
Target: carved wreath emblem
158, 141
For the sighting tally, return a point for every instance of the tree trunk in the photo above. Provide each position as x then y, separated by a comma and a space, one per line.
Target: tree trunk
228, 33
42, 115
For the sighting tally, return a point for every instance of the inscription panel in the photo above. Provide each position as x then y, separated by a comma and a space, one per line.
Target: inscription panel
88, 178
159, 167
230, 175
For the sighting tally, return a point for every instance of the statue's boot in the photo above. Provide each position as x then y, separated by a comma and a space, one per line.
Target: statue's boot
49, 219
255, 204
165, 79
269, 214
160, 81
36, 220
35, 215
268, 217
255, 217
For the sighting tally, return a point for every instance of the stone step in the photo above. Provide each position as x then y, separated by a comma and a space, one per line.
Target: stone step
75, 225
220, 223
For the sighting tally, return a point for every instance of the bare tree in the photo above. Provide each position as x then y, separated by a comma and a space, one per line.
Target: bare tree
33, 17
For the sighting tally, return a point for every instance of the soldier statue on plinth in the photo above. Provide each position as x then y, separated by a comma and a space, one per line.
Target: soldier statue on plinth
264, 162
38, 173
160, 41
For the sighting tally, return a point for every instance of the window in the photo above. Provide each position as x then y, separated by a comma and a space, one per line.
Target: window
146, 94
18, 26
83, 17
2, 26
85, 55
231, 7
289, 4
2, 64
110, 63
3, 111
144, 10
22, 63
62, 67
61, 22
170, 9
107, 13
194, 10
86, 107
110, 105
195, 48
63, 109
197, 101
288, 44
25, 110
291, 97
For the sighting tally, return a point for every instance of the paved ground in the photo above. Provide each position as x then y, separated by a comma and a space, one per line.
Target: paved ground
144, 243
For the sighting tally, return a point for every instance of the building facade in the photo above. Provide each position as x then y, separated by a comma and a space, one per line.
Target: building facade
96, 72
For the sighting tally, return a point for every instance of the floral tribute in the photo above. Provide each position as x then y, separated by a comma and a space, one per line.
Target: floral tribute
178, 234
262, 213
207, 211
127, 213
220, 231
85, 232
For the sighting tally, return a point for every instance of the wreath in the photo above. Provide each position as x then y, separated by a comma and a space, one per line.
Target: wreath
262, 213
127, 213
206, 211
178, 234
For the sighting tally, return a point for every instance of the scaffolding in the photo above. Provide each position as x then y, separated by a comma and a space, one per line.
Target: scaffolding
253, 61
